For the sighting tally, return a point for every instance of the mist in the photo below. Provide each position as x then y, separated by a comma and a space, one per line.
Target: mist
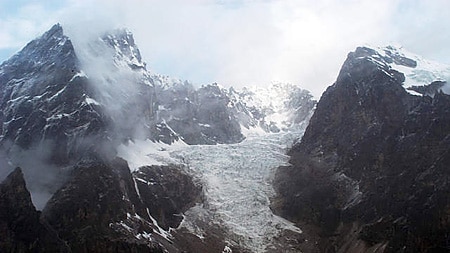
117, 77
43, 178
250, 42
5, 165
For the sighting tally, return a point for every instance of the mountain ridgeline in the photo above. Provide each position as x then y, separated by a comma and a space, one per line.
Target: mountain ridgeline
66, 104
371, 171
82, 119
50, 94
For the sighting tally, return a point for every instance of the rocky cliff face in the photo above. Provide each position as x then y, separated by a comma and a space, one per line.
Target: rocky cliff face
198, 116
167, 192
20, 227
44, 99
369, 174
102, 208
98, 210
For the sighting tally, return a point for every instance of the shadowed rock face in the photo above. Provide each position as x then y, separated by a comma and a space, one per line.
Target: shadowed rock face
199, 116
102, 208
20, 228
98, 210
167, 192
105, 208
370, 173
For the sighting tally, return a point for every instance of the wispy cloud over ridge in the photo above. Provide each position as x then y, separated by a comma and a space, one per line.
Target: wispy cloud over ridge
241, 42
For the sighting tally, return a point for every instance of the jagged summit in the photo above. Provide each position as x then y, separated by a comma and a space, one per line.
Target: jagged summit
122, 41
52, 47
52, 53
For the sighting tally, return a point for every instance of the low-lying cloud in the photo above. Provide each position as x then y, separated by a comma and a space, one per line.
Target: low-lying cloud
42, 177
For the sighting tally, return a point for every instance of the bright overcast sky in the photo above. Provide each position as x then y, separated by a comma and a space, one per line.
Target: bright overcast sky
243, 42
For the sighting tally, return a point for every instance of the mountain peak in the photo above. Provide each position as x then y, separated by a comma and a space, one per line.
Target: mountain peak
15, 178
53, 47
56, 30
122, 40
418, 72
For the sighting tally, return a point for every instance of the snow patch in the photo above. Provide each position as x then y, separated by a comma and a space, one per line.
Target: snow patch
252, 131
58, 93
91, 101
136, 187
424, 73
227, 249
160, 231
140, 153
78, 74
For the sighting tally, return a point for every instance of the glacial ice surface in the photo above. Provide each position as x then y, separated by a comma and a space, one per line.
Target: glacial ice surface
237, 185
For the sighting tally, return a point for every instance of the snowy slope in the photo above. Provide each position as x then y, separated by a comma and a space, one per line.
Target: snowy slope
277, 107
417, 70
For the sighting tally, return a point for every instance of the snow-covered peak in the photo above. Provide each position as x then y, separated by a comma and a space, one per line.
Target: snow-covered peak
274, 97
114, 66
52, 48
417, 70
127, 53
278, 106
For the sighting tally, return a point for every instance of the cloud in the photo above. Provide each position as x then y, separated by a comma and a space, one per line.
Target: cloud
422, 27
42, 177
255, 42
27, 22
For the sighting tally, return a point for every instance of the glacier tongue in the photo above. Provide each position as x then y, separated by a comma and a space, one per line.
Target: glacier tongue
237, 182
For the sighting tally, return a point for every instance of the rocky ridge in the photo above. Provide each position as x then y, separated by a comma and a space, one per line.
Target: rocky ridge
369, 174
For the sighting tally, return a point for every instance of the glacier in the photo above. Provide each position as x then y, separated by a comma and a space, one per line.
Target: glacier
237, 184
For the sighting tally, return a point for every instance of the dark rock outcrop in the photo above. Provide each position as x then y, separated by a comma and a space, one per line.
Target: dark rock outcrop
371, 172
93, 212
197, 116
20, 228
167, 192
105, 208
429, 90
